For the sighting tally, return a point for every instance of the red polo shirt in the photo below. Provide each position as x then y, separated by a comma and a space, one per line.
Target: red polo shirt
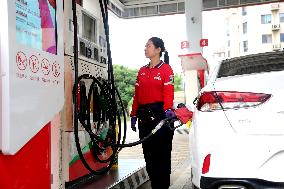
154, 85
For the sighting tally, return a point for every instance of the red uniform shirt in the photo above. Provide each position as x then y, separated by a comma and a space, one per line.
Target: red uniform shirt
154, 85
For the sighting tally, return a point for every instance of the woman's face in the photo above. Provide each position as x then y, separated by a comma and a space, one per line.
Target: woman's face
151, 51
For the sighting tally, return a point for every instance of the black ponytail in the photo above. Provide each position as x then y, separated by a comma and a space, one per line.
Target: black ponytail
166, 57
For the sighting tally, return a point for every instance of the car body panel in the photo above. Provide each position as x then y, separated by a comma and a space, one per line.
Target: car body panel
244, 142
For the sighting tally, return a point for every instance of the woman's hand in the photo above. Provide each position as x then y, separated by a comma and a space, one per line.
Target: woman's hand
170, 114
133, 123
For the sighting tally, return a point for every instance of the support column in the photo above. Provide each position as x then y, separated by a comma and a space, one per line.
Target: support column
193, 13
191, 57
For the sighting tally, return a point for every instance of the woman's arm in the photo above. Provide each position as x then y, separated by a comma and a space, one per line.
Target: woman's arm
168, 88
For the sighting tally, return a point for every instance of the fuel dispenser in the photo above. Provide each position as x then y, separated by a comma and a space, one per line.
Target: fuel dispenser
92, 61
32, 89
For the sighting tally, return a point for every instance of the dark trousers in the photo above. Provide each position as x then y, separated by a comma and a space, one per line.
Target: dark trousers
157, 149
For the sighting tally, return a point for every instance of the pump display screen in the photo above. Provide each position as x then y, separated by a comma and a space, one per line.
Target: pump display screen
36, 24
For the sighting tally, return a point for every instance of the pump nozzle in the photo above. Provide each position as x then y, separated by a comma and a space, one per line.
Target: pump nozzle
183, 113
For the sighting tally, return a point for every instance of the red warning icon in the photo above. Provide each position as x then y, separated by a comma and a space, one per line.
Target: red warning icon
45, 66
21, 60
56, 69
34, 64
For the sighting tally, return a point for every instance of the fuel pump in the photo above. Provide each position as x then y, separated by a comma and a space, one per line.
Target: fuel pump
85, 54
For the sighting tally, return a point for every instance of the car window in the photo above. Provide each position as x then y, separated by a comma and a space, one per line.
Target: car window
257, 63
213, 73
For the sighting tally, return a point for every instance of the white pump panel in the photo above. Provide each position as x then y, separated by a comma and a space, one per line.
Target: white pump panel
32, 69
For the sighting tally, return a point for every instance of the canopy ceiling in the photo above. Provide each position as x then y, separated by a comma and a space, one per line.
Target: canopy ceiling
142, 8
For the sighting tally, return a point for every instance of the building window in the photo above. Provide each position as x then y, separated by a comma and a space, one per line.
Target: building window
281, 37
281, 17
266, 38
266, 19
245, 27
244, 11
245, 45
229, 54
229, 43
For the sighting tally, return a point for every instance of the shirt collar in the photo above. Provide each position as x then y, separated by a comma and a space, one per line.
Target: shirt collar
157, 66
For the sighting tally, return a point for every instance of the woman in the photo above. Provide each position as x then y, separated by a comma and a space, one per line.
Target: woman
153, 101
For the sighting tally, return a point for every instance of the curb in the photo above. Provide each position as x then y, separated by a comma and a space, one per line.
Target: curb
133, 180
182, 131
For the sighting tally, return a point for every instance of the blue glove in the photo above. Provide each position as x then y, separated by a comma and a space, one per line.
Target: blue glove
170, 114
133, 123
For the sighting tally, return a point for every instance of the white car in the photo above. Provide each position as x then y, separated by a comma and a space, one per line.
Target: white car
237, 131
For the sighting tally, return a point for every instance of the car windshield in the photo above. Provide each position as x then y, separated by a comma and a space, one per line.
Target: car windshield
257, 63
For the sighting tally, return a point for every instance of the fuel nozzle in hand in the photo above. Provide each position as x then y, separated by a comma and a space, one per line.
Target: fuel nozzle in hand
183, 114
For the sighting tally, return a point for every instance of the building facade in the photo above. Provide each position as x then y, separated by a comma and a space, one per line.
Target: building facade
254, 29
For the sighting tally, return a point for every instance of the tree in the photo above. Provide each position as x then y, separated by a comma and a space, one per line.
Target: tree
125, 79
178, 83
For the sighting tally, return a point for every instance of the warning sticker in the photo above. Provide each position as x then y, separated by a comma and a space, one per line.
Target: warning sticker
34, 64
45, 66
21, 60
56, 69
